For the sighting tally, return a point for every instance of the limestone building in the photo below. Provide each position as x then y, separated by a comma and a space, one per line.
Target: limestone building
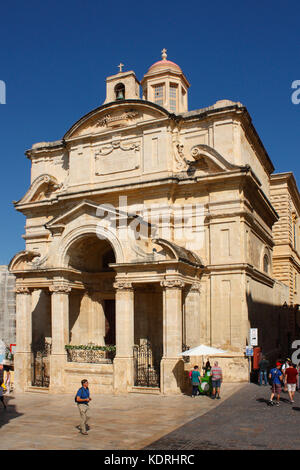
149, 227
7, 307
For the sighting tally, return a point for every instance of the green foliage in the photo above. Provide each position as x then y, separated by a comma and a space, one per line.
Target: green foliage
90, 347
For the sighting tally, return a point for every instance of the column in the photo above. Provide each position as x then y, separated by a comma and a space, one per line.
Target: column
22, 359
123, 362
60, 334
172, 366
195, 325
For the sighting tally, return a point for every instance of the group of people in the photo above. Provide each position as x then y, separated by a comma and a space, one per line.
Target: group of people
284, 374
215, 374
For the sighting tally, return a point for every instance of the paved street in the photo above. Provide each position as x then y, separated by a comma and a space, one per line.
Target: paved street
38, 421
240, 420
243, 421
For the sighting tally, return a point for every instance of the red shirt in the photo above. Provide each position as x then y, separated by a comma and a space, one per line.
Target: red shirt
291, 374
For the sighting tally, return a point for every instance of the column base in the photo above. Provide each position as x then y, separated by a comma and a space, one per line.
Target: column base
22, 371
123, 374
57, 373
171, 376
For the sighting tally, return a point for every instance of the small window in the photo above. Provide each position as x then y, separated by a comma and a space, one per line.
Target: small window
173, 98
266, 264
120, 91
159, 95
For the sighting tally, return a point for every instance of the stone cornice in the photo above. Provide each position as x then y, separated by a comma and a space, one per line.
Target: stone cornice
240, 268
287, 178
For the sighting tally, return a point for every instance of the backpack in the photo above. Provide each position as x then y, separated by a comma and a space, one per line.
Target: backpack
77, 394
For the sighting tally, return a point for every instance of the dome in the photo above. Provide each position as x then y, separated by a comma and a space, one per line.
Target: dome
164, 64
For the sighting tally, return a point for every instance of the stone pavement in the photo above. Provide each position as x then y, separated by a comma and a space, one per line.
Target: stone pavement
243, 422
132, 422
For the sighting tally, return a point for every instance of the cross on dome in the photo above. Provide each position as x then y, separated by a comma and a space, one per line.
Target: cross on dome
164, 54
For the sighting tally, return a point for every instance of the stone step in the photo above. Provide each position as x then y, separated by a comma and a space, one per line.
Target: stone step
147, 390
37, 390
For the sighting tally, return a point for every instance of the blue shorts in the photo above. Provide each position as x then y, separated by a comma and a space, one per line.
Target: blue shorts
216, 383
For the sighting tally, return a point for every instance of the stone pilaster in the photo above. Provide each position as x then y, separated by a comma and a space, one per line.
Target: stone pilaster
172, 367
60, 334
195, 333
123, 362
22, 359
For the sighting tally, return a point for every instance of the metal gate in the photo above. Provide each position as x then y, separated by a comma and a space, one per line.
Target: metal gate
41, 363
146, 365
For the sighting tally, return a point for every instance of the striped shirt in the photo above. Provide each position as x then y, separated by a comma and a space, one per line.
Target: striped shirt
216, 373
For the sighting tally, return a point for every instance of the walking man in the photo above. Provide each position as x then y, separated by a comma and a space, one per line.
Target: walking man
291, 375
276, 376
216, 378
82, 399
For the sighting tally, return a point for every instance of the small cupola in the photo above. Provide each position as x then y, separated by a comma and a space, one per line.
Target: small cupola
122, 86
166, 85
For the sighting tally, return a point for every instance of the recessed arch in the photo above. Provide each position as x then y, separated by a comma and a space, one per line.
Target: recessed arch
91, 231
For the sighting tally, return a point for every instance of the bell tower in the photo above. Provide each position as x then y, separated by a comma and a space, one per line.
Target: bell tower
122, 86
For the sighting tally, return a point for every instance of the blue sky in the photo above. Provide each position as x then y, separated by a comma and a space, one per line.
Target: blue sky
55, 56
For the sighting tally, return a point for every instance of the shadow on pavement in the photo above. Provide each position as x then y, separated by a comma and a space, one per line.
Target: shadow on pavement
263, 400
8, 413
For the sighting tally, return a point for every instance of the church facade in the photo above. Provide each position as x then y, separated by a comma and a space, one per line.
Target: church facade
148, 231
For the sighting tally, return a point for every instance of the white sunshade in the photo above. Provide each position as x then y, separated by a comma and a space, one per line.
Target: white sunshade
203, 350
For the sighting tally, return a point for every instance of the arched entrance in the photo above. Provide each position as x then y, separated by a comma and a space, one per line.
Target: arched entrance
92, 307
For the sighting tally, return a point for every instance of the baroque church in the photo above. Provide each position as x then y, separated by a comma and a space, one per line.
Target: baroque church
151, 229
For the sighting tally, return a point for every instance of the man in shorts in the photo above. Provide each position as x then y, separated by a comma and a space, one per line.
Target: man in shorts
291, 375
276, 377
216, 379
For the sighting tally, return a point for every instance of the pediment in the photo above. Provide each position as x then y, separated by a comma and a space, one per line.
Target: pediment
116, 115
42, 188
91, 208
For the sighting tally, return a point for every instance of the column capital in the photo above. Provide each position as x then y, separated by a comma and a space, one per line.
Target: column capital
22, 290
123, 285
60, 288
172, 284
195, 287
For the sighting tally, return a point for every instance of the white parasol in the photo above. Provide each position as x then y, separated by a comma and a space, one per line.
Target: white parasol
203, 350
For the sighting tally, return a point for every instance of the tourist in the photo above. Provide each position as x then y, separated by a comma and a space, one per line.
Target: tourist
216, 378
7, 379
283, 369
298, 380
276, 377
1, 397
291, 375
82, 399
263, 370
1, 374
195, 380
207, 367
